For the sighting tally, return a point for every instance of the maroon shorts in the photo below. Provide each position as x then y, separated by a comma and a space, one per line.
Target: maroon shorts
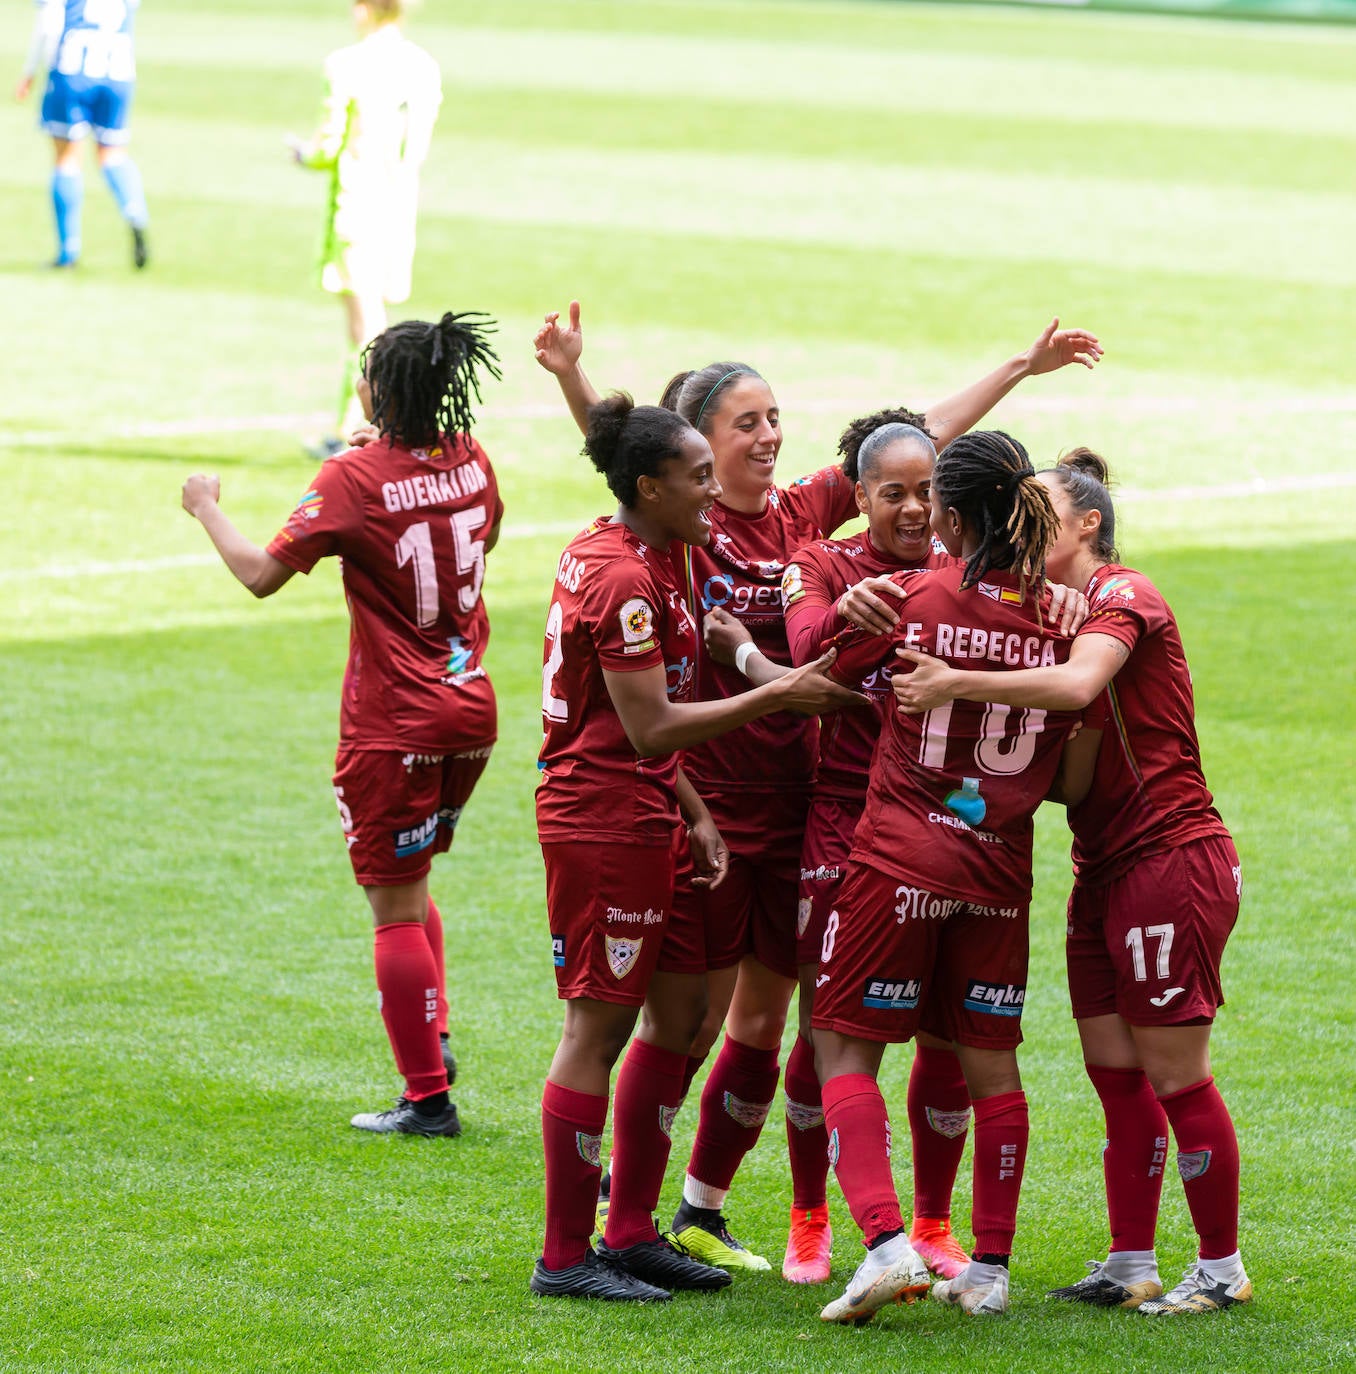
609, 906
1148, 945
754, 910
398, 810
898, 959
823, 861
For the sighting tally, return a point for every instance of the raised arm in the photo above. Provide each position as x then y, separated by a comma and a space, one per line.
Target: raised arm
1055, 348
656, 725
558, 348
1094, 660
254, 568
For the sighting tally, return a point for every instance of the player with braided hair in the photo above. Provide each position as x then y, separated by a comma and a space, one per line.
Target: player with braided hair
1156, 895
757, 780
929, 930
412, 514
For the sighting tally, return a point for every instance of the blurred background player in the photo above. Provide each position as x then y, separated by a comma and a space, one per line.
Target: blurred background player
381, 102
412, 515
86, 48
1154, 901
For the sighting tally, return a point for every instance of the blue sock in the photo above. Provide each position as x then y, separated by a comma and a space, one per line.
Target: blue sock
124, 180
68, 194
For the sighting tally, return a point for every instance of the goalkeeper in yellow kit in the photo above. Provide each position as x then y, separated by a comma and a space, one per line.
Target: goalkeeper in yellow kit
381, 102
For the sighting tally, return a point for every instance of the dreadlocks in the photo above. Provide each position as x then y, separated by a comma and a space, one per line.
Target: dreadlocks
856, 435
987, 478
424, 375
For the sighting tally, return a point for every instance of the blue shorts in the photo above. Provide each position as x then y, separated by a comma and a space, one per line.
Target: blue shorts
74, 106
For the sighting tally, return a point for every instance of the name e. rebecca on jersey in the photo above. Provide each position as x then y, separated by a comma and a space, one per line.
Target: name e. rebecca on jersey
971, 641
434, 488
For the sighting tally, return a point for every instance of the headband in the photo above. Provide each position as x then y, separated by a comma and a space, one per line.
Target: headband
733, 372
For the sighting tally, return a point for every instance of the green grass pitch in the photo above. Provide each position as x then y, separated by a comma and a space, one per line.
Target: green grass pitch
872, 203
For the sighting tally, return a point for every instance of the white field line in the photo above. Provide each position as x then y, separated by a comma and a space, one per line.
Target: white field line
1255, 487
315, 422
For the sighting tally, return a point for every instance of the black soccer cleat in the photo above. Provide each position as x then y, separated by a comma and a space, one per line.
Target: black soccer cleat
594, 1277
662, 1263
449, 1059
141, 250
405, 1119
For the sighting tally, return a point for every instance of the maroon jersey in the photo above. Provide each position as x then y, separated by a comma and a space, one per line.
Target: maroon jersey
410, 526
1148, 792
740, 570
816, 577
914, 823
615, 605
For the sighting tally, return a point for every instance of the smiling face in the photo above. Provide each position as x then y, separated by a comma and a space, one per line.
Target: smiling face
895, 497
745, 434
678, 500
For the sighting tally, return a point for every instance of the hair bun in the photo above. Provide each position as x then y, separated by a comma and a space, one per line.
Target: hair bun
1091, 464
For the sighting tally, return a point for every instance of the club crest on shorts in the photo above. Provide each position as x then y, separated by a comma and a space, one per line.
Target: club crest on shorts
590, 1148
622, 953
1192, 1163
949, 1124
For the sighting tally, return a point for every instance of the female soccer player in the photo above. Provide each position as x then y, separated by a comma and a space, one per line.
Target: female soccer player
757, 782
381, 102
412, 515
616, 703
86, 48
1156, 895
930, 926
891, 458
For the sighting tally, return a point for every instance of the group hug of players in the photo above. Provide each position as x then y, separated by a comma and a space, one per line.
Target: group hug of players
776, 760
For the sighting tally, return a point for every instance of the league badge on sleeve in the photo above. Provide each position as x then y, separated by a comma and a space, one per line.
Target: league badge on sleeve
637, 626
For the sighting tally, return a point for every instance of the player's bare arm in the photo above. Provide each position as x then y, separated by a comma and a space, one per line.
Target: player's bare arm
728, 642
710, 853
253, 567
1054, 348
655, 725
558, 349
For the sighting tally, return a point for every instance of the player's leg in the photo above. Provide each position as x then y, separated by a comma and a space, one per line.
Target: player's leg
859, 1149
109, 116
407, 979
976, 1001
738, 1095
872, 973
603, 971
809, 1241
1136, 1126
939, 1121
1167, 924
649, 1087
364, 318
68, 199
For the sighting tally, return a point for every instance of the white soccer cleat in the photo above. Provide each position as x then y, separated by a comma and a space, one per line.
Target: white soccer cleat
878, 1283
982, 1295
